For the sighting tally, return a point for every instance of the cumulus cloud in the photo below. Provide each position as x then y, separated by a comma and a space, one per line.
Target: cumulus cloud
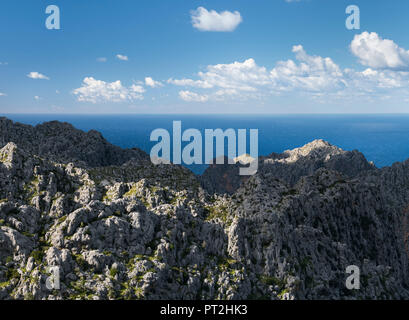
152, 83
378, 53
310, 73
2, 94
228, 80
244, 76
37, 75
37, 98
370, 80
95, 91
322, 77
122, 57
192, 96
137, 88
225, 21
307, 74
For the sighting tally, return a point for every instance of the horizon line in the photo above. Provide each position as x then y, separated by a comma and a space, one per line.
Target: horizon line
199, 114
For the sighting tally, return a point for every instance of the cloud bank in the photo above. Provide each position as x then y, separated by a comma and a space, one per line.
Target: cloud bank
306, 74
384, 73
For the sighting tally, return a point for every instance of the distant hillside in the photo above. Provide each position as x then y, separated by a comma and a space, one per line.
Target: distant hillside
63, 143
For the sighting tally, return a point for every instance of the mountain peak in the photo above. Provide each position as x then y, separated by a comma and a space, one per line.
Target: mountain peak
318, 143
317, 148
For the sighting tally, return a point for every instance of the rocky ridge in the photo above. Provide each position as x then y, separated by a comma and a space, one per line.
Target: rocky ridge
123, 228
289, 166
61, 142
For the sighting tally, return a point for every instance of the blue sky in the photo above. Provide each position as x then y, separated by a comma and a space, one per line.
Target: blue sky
264, 56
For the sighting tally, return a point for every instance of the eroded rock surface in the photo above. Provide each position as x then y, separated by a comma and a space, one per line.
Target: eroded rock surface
122, 228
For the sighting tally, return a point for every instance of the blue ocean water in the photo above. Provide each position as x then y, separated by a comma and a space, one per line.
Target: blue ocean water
383, 139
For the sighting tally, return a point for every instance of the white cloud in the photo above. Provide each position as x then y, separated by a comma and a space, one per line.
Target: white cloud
378, 53
102, 59
371, 80
37, 98
2, 94
312, 73
228, 80
137, 88
244, 76
190, 83
122, 57
237, 80
95, 91
37, 75
152, 83
313, 76
309, 76
192, 96
205, 20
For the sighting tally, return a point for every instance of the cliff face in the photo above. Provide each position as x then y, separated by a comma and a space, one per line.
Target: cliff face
134, 230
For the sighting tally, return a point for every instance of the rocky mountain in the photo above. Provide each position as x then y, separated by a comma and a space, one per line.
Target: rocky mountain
289, 166
61, 142
122, 228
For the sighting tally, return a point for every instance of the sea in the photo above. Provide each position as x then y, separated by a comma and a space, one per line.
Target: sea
382, 138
